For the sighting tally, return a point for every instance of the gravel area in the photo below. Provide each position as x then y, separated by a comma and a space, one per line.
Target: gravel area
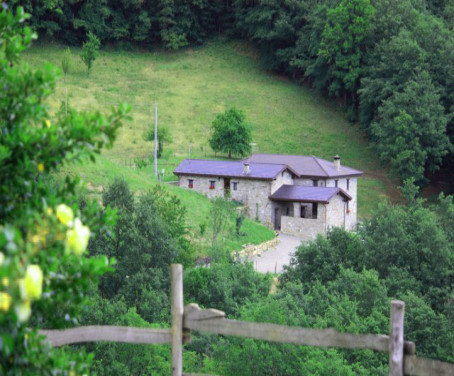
274, 259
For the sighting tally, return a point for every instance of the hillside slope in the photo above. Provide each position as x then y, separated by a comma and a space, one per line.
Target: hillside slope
191, 86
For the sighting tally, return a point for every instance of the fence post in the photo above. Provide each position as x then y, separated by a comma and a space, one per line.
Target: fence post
396, 338
177, 318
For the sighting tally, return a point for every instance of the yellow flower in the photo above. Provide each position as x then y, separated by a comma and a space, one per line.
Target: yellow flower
5, 301
49, 211
77, 238
35, 239
5, 281
65, 214
33, 282
47, 123
40, 168
2, 258
23, 311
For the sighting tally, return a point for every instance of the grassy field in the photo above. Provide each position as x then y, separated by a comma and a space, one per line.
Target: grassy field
191, 86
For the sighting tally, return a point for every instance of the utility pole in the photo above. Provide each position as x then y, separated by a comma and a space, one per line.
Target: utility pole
155, 139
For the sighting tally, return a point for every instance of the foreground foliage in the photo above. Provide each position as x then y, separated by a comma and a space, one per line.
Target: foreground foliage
43, 236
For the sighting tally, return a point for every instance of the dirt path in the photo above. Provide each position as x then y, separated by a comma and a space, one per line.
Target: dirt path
391, 187
274, 259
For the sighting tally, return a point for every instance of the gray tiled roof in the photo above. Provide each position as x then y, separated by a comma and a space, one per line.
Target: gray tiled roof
307, 194
202, 167
307, 166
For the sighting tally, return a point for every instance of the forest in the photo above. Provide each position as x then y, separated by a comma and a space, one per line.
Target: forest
68, 260
389, 63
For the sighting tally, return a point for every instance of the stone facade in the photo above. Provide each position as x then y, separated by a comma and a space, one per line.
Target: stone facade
305, 228
299, 218
349, 185
252, 193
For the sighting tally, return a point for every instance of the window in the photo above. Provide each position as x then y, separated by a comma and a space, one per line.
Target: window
287, 211
303, 212
190, 183
336, 183
212, 183
314, 210
235, 185
348, 184
315, 183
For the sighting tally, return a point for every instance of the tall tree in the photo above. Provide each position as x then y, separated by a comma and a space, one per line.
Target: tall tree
231, 133
164, 137
391, 65
344, 44
410, 131
90, 50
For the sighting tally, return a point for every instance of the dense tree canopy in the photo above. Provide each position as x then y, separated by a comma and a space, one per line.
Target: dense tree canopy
411, 129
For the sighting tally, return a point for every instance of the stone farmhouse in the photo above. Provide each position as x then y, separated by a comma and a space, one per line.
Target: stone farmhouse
299, 195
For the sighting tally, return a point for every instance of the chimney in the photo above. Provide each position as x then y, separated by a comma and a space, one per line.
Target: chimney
246, 169
337, 162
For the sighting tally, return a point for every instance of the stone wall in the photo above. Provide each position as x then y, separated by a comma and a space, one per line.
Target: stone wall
351, 217
251, 250
310, 182
305, 228
202, 184
252, 193
285, 177
335, 212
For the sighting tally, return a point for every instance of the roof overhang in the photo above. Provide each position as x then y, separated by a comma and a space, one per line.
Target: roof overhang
223, 176
291, 193
298, 200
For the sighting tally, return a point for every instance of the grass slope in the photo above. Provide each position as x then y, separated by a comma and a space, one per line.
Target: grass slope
191, 86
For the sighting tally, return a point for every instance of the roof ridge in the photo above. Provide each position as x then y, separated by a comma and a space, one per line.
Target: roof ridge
316, 160
268, 163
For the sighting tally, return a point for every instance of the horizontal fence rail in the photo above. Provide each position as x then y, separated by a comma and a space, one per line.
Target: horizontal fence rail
416, 366
213, 321
401, 353
97, 333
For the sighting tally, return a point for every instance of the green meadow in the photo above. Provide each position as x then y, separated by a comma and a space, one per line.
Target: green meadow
190, 87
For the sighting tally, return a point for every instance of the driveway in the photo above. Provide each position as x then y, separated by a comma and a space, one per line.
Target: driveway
275, 258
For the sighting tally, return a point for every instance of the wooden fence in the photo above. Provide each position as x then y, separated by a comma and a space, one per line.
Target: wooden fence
402, 359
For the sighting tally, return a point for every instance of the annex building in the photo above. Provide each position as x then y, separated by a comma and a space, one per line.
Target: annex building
298, 195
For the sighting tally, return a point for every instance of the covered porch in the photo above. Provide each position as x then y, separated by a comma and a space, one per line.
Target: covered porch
303, 211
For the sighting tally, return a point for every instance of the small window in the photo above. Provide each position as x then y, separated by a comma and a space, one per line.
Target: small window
234, 185
287, 211
190, 183
315, 183
314, 210
336, 183
303, 212
212, 184
348, 184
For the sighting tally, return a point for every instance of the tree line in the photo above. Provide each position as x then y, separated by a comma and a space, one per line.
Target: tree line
389, 62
